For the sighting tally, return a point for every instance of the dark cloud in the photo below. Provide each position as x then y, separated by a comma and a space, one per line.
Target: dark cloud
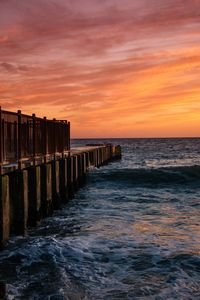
8, 67
14, 68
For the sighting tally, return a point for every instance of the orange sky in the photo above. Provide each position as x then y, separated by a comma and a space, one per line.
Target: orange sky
113, 68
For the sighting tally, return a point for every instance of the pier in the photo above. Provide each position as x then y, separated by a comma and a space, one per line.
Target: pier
39, 171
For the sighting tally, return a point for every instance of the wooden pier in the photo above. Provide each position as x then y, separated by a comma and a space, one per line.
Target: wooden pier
39, 170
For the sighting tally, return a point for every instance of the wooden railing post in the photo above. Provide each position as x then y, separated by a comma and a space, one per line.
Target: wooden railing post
68, 136
54, 137
19, 146
1, 143
34, 137
63, 138
45, 141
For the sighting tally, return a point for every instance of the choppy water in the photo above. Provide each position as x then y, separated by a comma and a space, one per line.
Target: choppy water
133, 232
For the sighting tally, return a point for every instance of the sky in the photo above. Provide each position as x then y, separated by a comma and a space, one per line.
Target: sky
113, 68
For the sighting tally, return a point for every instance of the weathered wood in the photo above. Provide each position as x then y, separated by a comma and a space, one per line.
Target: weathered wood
3, 290
75, 172
1, 143
19, 135
70, 177
4, 209
46, 190
34, 190
45, 143
68, 135
30, 194
63, 180
84, 164
56, 195
18, 191
34, 137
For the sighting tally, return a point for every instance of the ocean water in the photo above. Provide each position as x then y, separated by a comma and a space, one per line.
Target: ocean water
132, 232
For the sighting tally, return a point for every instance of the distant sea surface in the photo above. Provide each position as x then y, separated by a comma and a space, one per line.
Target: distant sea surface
132, 232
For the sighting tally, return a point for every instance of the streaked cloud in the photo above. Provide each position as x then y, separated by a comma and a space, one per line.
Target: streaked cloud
133, 66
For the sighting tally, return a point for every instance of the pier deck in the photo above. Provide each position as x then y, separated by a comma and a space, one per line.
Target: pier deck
32, 187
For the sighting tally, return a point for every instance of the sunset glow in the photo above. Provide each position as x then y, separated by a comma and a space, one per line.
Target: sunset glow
113, 68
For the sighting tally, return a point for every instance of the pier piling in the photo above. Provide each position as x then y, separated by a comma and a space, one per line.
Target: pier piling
46, 190
2, 290
63, 180
34, 195
4, 209
56, 195
18, 192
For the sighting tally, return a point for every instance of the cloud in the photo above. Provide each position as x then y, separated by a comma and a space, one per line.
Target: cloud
123, 64
8, 67
14, 68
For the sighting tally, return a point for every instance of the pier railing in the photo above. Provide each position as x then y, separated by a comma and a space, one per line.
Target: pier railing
24, 137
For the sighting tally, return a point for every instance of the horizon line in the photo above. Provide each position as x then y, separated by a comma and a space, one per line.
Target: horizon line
125, 138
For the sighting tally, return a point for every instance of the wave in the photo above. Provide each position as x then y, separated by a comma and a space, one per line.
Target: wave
164, 175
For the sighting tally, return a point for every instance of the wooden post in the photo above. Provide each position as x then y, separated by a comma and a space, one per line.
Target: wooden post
2, 290
87, 160
16, 139
18, 191
45, 142
68, 136
79, 169
54, 138
46, 190
34, 194
1, 143
70, 181
84, 163
56, 191
4, 209
63, 139
34, 138
62, 135
75, 171
19, 146
63, 179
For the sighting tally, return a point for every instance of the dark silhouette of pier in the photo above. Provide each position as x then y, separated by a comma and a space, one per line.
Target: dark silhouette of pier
39, 170
28, 139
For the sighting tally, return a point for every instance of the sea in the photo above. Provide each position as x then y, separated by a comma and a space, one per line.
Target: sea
131, 232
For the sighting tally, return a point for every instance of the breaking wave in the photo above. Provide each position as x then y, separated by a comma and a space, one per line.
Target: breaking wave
151, 176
